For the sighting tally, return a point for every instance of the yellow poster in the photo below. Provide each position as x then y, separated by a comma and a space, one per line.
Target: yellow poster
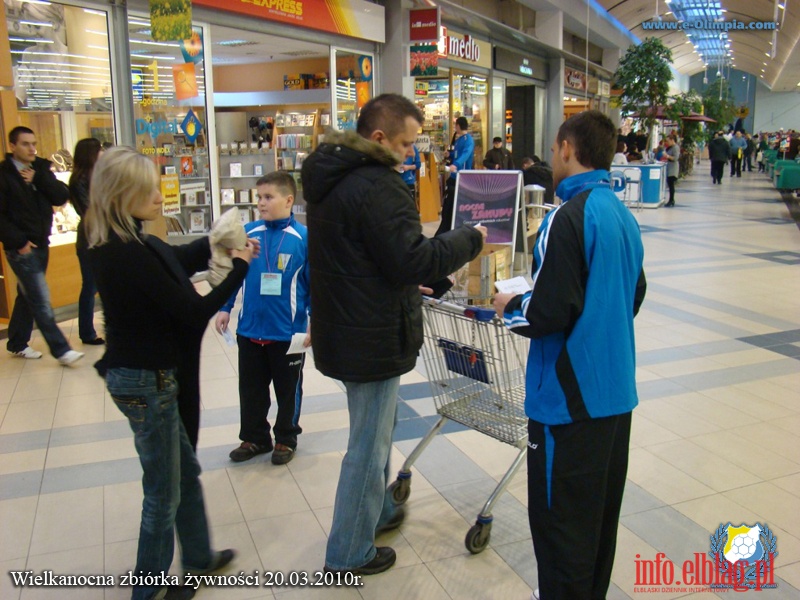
170, 191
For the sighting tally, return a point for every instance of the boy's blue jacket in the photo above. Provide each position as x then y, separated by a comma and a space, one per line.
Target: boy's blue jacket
588, 284
284, 243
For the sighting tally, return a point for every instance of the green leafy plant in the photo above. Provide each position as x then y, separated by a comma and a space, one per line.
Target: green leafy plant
690, 132
717, 104
643, 77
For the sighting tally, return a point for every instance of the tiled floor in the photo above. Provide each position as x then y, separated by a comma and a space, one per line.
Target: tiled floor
716, 439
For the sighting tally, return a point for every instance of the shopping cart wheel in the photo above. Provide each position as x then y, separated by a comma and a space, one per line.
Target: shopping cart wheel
478, 537
401, 490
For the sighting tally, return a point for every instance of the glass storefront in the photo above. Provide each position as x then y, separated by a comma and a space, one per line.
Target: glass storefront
62, 75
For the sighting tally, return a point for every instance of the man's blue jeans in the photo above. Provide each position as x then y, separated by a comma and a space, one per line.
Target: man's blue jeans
362, 502
33, 303
173, 496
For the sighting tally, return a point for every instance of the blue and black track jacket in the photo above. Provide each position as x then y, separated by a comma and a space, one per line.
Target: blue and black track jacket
588, 284
284, 250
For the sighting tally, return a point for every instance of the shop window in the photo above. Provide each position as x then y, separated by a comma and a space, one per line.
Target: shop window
169, 100
354, 86
62, 75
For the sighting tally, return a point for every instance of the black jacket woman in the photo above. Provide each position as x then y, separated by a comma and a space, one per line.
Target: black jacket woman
147, 308
87, 151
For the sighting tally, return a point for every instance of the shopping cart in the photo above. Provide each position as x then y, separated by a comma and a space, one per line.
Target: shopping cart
476, 368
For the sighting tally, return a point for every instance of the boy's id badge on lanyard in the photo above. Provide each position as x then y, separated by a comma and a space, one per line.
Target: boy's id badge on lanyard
271, 284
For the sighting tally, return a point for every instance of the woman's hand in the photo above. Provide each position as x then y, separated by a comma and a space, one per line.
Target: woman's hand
249, 252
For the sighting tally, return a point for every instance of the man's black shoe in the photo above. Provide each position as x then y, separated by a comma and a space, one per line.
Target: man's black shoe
175, 592
393, 523
383, 561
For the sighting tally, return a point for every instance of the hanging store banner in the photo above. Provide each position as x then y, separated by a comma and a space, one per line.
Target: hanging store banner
353, 18
170, 20
423, 24
424, 60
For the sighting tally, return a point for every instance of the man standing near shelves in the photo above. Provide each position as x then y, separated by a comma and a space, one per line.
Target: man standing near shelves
461, 156
28, 193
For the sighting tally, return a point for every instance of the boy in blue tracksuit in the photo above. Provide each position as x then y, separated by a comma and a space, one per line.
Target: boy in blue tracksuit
275, 305
588, 284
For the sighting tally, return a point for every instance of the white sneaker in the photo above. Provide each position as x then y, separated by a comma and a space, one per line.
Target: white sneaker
535, 594
27, 352
70, 357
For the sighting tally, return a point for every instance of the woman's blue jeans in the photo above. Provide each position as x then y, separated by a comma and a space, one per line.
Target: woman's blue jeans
362, 502
173, 496
86, 330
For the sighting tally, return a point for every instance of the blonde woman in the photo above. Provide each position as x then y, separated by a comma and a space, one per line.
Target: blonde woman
148, 302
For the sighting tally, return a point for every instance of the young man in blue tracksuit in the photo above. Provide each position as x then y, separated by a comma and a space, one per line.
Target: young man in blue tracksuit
588, 284
462, 157
275, 305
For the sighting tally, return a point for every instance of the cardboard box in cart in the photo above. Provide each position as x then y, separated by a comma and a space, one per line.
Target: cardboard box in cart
475, 280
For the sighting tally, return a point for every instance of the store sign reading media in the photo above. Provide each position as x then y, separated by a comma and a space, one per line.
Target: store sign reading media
465, 48
423, 24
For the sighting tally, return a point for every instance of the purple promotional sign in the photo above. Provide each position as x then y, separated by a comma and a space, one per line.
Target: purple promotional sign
491, 199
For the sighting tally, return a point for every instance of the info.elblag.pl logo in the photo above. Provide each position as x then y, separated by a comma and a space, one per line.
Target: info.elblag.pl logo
740, 558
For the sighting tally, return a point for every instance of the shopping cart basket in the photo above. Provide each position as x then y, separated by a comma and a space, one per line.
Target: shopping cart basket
476, 368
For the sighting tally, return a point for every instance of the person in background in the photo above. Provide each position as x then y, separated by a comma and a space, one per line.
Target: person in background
619, 157
368, 255
633, 154
275, 301
535, 172
738, 144
719, 152
409, 170
28, 192
498, 157
672, 155
749, 152
588, 285
148, 302
763, 146
87, 151
461, 158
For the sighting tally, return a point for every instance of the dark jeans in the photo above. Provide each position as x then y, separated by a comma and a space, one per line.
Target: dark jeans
259, 366
717, 170
576, 478
447, 206
86, 330
748, 162
736, 166
173, 495
671, 179
33, 303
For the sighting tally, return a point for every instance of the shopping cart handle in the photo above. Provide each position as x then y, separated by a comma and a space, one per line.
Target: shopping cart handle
473, 312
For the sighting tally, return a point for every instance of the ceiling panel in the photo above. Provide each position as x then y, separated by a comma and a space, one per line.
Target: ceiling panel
749, 49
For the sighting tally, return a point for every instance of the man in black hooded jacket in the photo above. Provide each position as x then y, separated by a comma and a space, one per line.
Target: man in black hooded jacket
367, 256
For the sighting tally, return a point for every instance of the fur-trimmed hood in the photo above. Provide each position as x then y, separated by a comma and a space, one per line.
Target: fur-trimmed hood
341, 153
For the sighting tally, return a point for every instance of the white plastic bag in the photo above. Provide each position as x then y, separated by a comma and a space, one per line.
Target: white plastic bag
226, 234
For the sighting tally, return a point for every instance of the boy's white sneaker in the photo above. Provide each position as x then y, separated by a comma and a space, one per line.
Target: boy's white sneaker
70, 357
27, 352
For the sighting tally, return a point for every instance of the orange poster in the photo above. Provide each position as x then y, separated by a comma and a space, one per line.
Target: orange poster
185, 80
363, 93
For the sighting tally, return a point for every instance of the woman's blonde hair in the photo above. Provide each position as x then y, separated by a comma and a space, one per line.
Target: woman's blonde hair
122, 180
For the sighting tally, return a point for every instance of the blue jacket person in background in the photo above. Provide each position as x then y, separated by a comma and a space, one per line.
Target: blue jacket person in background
588, 284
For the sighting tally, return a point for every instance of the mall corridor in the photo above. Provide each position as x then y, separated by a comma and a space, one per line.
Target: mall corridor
716, 440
